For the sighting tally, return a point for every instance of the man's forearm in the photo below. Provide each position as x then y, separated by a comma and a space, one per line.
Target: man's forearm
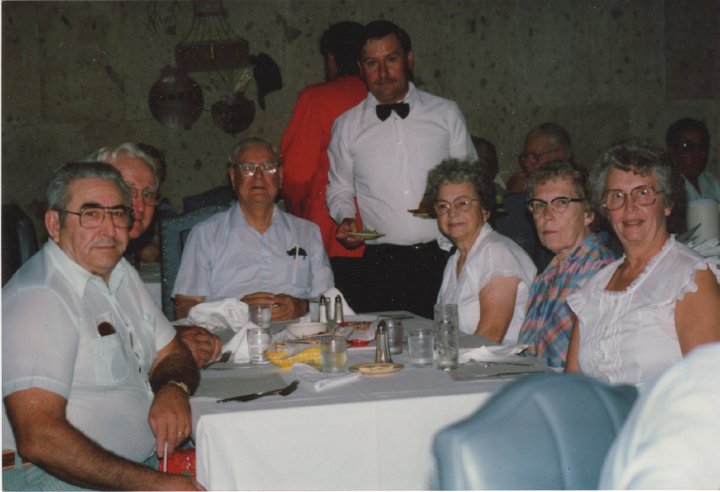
175, 363
75, 459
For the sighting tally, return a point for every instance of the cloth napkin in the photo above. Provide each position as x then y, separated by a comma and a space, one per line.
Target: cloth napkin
222, 315
491, 353
331, 293
321, 381
227, 313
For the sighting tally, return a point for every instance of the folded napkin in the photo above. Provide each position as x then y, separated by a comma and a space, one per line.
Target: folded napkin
227, 313
331, 293
491, 353
321, 381
223, 315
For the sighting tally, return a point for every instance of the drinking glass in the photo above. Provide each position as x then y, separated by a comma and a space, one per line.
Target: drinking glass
445, 324
314, 309
421, 345
395, 335
261, 315
334, 354
258, 342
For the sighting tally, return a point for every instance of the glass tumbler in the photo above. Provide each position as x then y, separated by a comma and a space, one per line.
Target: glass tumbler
258, 342
445, 325
421, 345
334, 354
261, 315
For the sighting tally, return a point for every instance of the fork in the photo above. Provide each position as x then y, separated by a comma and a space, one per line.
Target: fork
254, 396
224, 357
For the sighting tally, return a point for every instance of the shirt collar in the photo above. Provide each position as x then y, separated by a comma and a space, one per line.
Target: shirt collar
77, 276
237, 217
412, 97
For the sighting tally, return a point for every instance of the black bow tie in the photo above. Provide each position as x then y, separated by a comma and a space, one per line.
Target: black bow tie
383, 110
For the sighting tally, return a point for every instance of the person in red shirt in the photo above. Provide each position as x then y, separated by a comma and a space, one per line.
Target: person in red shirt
304, 144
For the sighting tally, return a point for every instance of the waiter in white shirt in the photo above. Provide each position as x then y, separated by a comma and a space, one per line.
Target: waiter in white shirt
381, 151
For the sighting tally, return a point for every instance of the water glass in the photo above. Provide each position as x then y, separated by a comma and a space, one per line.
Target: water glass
258, 342
314, 309
445, 324
334, 354
261, 315
395, 335
421, 345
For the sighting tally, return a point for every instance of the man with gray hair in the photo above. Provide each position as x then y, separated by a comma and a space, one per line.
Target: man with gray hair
139, 172
94, 378
543, 143
254, 251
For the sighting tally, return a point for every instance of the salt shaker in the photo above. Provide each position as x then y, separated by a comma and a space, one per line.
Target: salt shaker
339, 317
324, 309
382, 346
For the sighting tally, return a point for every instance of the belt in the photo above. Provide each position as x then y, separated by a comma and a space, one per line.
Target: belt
10, 458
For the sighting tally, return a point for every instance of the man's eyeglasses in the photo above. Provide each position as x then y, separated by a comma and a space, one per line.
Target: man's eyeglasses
644, 195
692, 147
461, 204
558, 205
149, 197
93, 217
523, 158
250, 168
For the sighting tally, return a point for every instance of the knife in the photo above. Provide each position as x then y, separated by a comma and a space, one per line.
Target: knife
284, 391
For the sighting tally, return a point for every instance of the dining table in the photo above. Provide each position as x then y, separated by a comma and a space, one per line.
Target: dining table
374, 432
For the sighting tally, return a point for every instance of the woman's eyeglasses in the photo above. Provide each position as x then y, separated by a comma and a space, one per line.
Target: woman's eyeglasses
558, 205
643, 195
461, 204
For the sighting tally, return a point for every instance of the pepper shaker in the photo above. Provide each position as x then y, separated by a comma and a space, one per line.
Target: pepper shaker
382, 347
339, 316
323, 309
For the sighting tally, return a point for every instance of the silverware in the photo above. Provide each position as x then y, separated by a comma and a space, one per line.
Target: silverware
395, 316
224, 357
284, 391
491, 364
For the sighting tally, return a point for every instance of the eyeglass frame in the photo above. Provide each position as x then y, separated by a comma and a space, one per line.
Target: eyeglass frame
240, 167
145, 194
552, 204
522, 158
631, 194
85, 208
456, 204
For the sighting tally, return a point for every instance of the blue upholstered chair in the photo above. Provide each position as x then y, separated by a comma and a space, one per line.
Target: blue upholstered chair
547, 431
173, 234
220, 195
19, 242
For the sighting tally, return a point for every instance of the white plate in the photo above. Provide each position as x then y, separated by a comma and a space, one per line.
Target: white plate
365, 235
305, 329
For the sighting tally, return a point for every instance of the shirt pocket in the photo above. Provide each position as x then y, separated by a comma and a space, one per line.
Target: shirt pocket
298, 271
113, 366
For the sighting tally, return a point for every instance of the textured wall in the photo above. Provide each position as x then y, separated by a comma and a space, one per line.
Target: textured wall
76, 75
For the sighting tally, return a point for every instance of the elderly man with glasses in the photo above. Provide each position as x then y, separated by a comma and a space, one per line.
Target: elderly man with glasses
95, 381
254, 251
139, 171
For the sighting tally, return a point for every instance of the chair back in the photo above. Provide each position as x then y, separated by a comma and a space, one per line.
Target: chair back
547, 431
19, 242
173, 234
220, 195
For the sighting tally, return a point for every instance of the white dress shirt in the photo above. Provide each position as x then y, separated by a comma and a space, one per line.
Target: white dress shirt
709, 188
385, 163
492, 255
51, 311
670, 439
226, 257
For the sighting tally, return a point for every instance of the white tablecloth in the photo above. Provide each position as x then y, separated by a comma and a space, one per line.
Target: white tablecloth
374, 433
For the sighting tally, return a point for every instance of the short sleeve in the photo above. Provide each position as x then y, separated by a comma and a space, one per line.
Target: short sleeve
29, 331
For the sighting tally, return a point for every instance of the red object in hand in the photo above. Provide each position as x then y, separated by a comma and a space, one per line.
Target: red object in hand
181, 462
